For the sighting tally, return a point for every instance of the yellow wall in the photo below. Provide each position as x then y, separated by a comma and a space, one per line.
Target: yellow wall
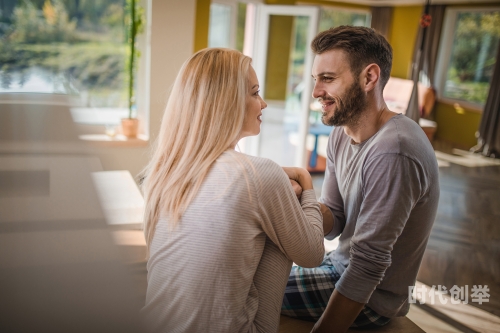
456, 125
278, 53
404, 28
201, 25
278, 56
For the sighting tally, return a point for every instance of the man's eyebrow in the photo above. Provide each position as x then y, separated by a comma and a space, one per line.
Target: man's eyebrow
324, 73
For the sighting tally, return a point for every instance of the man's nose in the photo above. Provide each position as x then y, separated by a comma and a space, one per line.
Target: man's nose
317, 91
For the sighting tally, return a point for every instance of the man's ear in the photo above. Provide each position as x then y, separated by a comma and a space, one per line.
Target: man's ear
370, 77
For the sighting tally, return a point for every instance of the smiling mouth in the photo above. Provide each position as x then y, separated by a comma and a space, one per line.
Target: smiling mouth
326, 104
259, 117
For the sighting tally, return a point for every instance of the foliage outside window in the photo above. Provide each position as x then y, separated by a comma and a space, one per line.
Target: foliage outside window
330, 18
66, 46
473, 56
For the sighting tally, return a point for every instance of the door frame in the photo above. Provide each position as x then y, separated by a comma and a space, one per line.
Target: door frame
259, 50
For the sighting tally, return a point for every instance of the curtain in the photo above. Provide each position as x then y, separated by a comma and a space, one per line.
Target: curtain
431, 44
425, 55
381, 20
489, 128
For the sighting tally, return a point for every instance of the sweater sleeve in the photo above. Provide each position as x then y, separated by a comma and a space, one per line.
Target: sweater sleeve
331, 198
391, 188
295, 227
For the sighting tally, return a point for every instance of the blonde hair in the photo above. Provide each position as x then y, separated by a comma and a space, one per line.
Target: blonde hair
203, 118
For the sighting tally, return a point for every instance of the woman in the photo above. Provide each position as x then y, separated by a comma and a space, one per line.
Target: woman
222, 227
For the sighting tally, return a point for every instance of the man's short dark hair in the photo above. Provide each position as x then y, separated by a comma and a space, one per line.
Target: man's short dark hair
362, 45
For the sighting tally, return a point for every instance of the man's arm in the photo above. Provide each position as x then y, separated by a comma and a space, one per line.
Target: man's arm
340, 313
391, 189
328, 219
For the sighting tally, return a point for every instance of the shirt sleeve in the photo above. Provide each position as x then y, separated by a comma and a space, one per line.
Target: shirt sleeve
295, 227
331, 198
391, 188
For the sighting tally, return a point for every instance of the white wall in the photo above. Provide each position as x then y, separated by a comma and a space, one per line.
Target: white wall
172, 40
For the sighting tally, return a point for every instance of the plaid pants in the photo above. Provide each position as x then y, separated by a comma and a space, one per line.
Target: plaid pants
309, 289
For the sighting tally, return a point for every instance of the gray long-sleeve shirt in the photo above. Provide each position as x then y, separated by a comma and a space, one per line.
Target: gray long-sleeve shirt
383, 194
225, 267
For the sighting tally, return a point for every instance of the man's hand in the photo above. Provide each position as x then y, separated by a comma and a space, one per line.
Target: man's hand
296, 188
339, 314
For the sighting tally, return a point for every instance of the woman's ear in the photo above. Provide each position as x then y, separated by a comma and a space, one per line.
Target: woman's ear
370, 76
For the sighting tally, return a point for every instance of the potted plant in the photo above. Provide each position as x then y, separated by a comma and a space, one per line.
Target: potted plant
130, 125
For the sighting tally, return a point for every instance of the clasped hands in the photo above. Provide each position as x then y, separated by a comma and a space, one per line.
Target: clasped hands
300, 179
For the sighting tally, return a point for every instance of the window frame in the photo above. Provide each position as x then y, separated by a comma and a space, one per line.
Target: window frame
444, 54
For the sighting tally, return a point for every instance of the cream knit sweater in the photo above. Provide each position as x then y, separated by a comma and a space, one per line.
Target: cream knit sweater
225, 267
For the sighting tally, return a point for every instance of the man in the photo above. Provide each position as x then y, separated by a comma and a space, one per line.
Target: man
380, 192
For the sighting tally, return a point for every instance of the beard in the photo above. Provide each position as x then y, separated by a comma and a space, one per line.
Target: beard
348, 109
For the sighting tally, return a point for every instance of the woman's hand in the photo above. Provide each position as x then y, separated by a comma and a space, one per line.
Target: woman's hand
296, 188
301, 176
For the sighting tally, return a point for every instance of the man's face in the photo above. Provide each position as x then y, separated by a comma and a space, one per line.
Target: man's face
339, 92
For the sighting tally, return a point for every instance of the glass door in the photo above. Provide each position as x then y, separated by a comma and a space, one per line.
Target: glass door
282, 60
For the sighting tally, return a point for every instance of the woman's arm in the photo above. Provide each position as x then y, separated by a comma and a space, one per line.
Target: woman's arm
302, 179
295, 227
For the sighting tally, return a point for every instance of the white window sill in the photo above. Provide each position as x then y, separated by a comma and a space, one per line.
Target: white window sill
98, 116
118, 140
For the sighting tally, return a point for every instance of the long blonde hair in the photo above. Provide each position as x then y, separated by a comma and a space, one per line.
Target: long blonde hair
203, 118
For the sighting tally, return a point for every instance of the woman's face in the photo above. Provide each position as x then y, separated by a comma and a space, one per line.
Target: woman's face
254, 106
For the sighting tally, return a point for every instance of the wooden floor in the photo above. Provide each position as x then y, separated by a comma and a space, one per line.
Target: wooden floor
464, 246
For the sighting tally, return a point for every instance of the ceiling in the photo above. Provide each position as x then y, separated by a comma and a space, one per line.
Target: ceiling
413, 2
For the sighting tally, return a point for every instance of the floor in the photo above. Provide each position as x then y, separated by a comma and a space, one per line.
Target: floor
464, 247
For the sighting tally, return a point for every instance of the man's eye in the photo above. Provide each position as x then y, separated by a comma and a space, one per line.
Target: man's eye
256, 93
327, 78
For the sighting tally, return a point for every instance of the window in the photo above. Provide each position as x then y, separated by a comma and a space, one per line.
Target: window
220, 26
334, 17
468, 54
71, 47
227, 24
